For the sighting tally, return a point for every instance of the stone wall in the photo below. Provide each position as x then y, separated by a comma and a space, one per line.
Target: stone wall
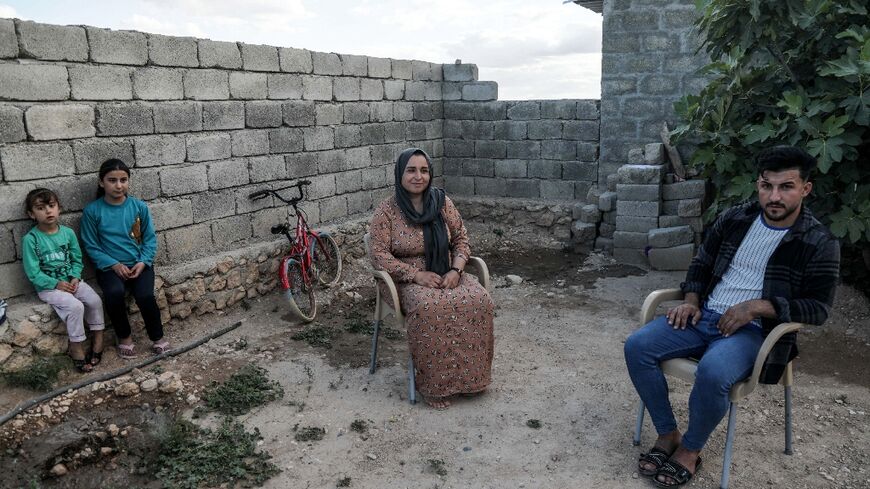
524, 149
649, 61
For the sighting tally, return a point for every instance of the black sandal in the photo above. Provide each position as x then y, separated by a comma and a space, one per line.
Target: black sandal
94, 358
679, 474
82, 365
656, 456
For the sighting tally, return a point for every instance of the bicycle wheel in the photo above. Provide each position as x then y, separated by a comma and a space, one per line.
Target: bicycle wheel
300, 297
327, 259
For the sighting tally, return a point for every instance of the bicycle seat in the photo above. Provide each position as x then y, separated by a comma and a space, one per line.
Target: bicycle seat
280, 229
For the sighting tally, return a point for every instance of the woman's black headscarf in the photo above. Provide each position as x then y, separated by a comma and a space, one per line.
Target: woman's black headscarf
435, 240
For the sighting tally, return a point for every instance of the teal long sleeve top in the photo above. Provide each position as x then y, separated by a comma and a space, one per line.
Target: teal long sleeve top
107, 232
50, 258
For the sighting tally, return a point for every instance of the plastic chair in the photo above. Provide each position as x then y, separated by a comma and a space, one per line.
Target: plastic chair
475, 265
684, 368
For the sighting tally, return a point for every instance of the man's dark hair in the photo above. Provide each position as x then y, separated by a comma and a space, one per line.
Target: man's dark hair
780, 158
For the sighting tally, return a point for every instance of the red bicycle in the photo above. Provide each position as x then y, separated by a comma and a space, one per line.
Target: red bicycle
313, 256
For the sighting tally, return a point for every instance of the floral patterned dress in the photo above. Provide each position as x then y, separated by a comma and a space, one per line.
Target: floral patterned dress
450, 331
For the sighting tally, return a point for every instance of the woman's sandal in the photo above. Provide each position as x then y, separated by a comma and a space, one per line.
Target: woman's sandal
82, 365
676, 473
94, 358
656, 456
161, 347
127, 351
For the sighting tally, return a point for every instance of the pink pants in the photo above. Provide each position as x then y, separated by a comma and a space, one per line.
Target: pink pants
74, 309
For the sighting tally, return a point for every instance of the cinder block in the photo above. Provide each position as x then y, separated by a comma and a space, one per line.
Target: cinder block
257, 57
583, 232
381, 111
318, 138
316, 88
189, 242
641, 174
558, 109
172, 51
188, 179
46, 122
299, 113
421, 70
635, 224
579, 170
527, 150
118, 47
696, 223
52, 42
332, 208
347, 136
480, 91
689, 189
460, 72
228, 173
349, 181
158, 151
457, 148
171, 214
556, 189
559, 150
606, 230
415, 90
263, 220
285, 140
673, 258
301, 165
248, 86
219, 54
607, 201
581, 130
668, 237
231, 230
612, 180
13, 281
295, 60
524, 111
650, 192
11, 124
359, 202
8, 39
346, 89
587, 152
587, 110
371, 89
207, 147
7, 246
638, 208
451, 91
100, 83
146, 185
283, 86
510, 130
353, 65
36, 161
326, 115
690, 208
360, 157
626, 239
490, 149
394, 132
250, 142
158, 84
523, 188
124, 119
223, 115
545, 129
394, 89
262, 113
590, 213
511, 168
380, 67
177, 117
326, 63
206, 85
604, 244
356, 113
402, 69
544, 169
593, 195
670, 207
215, 204
654, 154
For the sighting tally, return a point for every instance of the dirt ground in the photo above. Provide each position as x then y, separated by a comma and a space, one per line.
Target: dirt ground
558, 360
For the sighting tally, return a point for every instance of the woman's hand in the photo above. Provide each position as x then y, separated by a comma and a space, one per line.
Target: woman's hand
121, 270
137, 270
450, 280
428, 279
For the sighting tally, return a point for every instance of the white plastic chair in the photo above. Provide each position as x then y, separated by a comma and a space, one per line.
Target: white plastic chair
684, 368
475, 265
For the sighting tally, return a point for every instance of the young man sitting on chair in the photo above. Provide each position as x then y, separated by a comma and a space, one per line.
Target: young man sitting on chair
760, 264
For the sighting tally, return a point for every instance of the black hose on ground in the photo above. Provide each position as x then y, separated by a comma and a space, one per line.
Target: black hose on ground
115, 373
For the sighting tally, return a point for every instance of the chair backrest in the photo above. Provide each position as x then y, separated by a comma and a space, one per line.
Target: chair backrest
366, 239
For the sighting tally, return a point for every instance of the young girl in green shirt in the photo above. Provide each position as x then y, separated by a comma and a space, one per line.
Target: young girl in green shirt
53, 263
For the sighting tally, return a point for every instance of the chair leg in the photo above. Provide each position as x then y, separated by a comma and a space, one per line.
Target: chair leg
374, 361
639, 426
729, 445
412, 387
788, 447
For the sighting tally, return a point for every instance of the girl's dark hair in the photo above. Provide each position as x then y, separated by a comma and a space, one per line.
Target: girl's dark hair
110, 166
39, 196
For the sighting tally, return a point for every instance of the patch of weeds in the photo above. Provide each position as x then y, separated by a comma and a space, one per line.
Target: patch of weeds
40, 375
535, 424
360, 426
343, 482
309, 433
317, 335
157, 369
191, 457
436, 465
300, 406
498, 232
245, 389
359, 324
240, 344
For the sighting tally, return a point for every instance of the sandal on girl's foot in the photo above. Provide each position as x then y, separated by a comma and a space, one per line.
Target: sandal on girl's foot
161, 347
82, 365
657, 457
127, 351
676, 474
94, 358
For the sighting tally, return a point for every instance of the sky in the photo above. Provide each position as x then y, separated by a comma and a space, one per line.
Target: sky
534, 49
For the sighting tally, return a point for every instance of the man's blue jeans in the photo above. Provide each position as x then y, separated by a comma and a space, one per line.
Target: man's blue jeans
724, 362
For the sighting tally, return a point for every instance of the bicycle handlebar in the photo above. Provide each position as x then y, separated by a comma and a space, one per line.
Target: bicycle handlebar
261, 194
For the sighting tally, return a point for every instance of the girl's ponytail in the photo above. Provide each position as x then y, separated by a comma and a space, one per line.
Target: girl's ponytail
110, 165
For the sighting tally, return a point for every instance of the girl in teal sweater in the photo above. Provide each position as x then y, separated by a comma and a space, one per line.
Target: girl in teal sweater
53, 263
119, 237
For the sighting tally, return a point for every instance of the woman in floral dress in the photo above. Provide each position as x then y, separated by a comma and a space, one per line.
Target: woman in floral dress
417, 236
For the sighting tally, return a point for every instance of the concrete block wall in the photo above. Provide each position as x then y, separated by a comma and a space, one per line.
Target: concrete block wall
649, 61
545, 149
203, 124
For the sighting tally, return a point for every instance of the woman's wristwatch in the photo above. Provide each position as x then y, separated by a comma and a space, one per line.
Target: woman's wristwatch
457, 270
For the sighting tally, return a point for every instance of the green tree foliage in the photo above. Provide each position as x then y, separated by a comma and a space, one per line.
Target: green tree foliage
786, 72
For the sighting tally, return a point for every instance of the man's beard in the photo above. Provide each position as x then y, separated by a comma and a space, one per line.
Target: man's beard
786, 212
